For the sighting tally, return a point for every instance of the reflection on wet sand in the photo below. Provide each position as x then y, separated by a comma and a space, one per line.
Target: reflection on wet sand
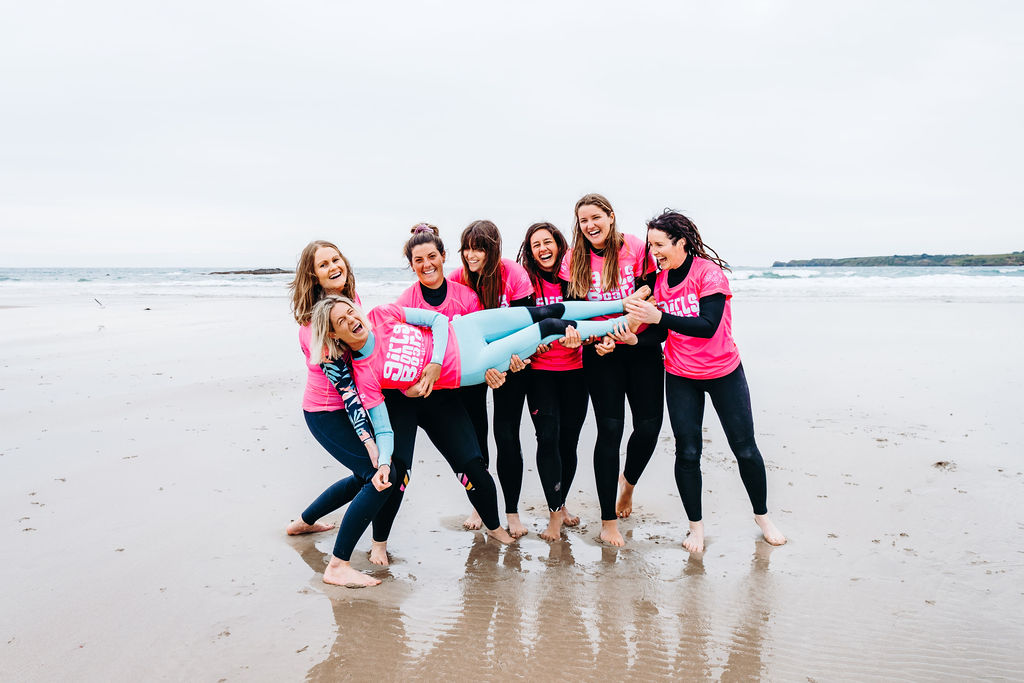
510, 613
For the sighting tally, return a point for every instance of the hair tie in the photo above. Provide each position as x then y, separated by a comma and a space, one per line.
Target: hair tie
422, 227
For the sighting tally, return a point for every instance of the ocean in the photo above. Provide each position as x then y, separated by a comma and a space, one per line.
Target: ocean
30, 286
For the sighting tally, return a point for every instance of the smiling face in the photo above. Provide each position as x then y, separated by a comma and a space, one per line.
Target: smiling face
348, 326
428, 264
667, 255
544, 250
475, 259
595, 224
330, 270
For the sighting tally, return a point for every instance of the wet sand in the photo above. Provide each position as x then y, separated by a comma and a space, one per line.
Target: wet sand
150, 461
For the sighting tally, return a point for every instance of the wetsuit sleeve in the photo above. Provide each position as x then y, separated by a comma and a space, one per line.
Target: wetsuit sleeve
648, 280
438, 325
525, 301
340, 377
704, 326
385, 435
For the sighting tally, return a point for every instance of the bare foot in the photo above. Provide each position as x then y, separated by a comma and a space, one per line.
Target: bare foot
501, 535
568, 519
299, 527
771, 533
640, 294
515, 527
341, 573
379, 553
554, 530
610, 533
624, 506
694, 541
473, 522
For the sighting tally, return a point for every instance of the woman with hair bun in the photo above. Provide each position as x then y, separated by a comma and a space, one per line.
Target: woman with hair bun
500, 283
434, 292
694, 308
604, 265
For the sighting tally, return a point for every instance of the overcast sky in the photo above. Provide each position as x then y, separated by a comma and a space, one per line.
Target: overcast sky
232, 133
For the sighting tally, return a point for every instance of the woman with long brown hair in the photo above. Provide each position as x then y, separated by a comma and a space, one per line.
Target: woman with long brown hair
499, 283
338, 421
604, 265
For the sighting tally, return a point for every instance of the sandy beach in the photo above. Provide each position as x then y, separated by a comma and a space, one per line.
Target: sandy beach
151, 459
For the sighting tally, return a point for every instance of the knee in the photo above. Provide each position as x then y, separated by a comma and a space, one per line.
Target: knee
546, 427
610, 428
687, 456
506, 433
648, 427
746, 451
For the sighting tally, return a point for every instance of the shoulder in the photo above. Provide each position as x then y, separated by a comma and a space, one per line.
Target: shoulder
708, 273
409, 295
385, 312
456, 276
513, 272
632, 242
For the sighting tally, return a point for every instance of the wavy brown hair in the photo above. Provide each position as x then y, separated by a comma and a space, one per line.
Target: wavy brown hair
677, 227
483, 236
305, 286
579, 261
526, 259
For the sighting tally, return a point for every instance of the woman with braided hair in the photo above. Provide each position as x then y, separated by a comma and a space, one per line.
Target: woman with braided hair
693, 306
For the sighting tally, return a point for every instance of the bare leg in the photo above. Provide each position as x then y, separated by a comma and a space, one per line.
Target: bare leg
768, 528
624, 506
299, 527
379, 553
610, 533
515, 527
500, 535
694, 541
473, 522
569, 519
341, 573
554, 530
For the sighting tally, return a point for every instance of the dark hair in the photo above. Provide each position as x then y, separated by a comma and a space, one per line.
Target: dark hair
526, 258
677, 227
423, 233
483, 236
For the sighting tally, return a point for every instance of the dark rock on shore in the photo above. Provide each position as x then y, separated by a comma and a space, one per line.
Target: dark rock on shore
255, 271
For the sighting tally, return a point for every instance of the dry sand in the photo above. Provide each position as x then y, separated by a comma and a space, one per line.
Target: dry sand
150, 460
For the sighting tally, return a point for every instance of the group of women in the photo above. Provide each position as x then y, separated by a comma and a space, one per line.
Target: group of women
613, 317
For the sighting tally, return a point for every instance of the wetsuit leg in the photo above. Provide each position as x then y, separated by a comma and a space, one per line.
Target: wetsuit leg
445, 421
572, 412
645, 391
508, 418
731, 398
606, 384
685, 399
474, 400
543, 401
558, 407
367, 501
402, 413
340, 440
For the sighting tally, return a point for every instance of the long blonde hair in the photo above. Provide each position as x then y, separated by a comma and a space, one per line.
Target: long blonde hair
305, 286
323, 347
579, 261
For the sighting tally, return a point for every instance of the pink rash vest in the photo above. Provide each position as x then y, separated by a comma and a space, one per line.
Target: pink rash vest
559, 357
320, 395
459, 301
400, 353
691, 356
514, 280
